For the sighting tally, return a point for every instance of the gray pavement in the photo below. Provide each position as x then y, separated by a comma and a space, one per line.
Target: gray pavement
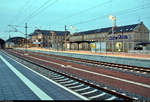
141, 62
11, 87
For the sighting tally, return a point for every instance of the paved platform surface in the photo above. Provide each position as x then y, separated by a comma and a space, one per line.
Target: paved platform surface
133, 59
115, 54
19, 83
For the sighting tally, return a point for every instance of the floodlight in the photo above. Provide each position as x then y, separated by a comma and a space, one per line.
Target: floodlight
71, 27
111, 17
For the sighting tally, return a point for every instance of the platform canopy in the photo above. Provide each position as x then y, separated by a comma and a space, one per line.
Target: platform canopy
143, 43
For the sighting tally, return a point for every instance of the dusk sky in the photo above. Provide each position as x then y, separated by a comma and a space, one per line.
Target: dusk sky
81, 14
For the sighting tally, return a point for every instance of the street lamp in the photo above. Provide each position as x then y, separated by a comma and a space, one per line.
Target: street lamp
73, 29
113, 25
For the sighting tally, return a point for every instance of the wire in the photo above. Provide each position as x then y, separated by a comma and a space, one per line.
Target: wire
98, 26
83, 11
37, 13
119, 13
36, 10
39, 10
122, 12
22, 9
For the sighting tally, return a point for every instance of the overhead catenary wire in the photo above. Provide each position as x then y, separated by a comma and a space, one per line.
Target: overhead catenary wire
94, 27
44, 8
22, 8
83, 11
120, 13
126, 10
36, 10
39, 10
28, 9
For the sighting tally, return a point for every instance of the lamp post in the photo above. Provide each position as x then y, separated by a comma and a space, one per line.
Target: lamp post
26, 38
123, 41
65, 44
113, 25
73, 31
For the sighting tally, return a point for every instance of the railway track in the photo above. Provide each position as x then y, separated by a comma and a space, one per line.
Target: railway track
85, 88
116, 66
137, 69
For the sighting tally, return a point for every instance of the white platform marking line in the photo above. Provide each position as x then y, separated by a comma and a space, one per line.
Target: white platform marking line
102, 94
37, 91
111, 98
67, 89
124, 80
89, 92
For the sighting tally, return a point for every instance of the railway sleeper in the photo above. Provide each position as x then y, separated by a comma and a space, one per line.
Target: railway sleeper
79, 90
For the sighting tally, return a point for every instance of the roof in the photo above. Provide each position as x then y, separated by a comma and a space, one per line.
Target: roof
14, 38
143, 43
117, 29
47, 32
127, 28
2, 41
81, 41
101, 30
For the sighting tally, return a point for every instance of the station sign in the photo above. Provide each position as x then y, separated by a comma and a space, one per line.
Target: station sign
118, 37
36, 42
92, 45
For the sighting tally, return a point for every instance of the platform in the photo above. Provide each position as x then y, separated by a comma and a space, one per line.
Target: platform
18, 82
133, 59
115, 54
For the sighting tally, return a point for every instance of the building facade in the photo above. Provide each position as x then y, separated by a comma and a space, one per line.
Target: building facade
48, 39
117, 39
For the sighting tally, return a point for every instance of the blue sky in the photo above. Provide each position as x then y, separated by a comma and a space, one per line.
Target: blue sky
81, 14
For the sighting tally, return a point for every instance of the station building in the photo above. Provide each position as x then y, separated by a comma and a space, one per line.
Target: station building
123, 38
48, 39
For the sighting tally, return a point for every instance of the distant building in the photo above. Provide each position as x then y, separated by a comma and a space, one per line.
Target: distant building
15, 42
124, 38
48, 39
